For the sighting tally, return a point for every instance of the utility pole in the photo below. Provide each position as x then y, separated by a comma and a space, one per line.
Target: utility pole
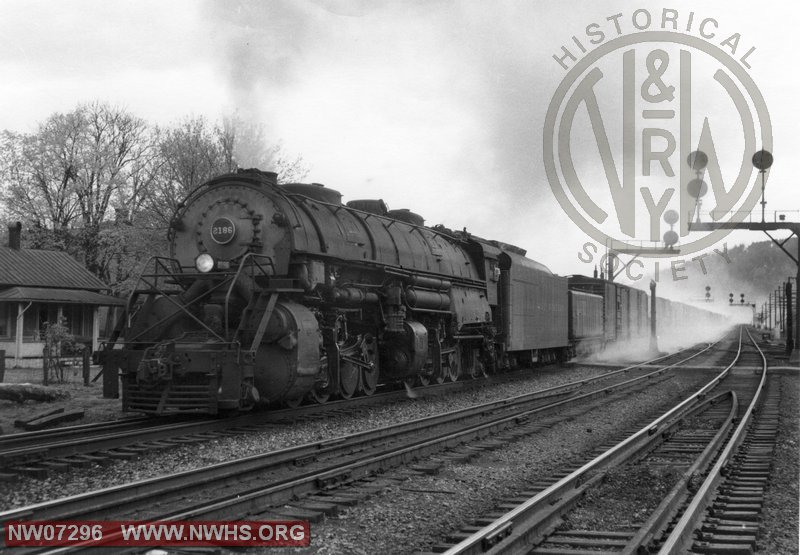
782, 293
789, 321
769, 311
653, 335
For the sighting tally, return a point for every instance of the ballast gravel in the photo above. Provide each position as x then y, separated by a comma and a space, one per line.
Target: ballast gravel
418, 513
24, 491
779, 528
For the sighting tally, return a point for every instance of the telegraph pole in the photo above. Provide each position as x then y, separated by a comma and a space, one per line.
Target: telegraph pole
653, 334
769, 309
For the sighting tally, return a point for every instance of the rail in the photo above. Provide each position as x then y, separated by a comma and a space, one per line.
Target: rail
682, 535
29, 448
500, 534
225, 474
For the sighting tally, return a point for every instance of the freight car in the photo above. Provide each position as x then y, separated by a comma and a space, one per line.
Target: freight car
278, 293
625, 314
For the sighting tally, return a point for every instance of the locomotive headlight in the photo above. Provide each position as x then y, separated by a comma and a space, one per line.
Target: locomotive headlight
204, 262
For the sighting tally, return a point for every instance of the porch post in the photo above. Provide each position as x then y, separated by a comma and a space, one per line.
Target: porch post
18, 338
95, 328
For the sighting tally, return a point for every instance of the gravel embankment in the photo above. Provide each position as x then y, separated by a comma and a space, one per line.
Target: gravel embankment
779, 532
27, 491
418, 513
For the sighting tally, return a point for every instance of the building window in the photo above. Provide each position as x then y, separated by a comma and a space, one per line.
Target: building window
30, 322
39, 314
78, 320
5, 319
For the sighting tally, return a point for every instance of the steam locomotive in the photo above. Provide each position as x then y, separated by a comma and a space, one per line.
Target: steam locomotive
279, 293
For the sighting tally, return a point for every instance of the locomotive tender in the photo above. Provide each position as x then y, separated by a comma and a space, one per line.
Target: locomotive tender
276, 293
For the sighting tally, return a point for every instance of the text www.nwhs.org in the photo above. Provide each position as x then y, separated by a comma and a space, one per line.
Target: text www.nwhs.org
158, 534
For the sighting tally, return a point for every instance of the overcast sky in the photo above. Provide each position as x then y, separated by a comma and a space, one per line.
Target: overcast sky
437, 106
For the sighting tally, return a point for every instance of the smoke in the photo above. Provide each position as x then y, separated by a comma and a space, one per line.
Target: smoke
669, 339
437, 106
413, 96
261, 48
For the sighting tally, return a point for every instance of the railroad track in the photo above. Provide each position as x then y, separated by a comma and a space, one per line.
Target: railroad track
716, 485
724, 514
315, 472
38, 454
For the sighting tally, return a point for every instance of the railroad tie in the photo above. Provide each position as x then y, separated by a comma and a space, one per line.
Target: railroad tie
34, 471
731, 525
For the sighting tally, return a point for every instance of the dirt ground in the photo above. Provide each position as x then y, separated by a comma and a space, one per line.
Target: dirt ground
88, 398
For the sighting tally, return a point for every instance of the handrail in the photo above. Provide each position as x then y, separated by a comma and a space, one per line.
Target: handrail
235, 280
183, 308
158, 261
122, 321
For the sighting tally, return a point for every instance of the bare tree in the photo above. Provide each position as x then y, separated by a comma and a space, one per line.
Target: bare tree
103, 185
143, 176
63, 177
190, 153
38, 172
113, 142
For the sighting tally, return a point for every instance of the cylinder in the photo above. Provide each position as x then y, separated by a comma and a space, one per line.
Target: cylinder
353, 296
431, 300
430, 283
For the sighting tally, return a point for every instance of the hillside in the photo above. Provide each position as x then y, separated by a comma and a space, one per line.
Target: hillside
755, 270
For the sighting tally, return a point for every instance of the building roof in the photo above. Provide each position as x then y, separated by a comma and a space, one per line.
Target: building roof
39, 268
76, 296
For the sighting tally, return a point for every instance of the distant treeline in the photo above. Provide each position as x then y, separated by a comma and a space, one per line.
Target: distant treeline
754, 270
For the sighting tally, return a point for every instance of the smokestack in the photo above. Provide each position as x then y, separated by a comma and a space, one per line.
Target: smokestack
15, 235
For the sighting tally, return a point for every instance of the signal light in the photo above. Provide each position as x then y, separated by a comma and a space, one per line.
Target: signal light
730, 298
741, 300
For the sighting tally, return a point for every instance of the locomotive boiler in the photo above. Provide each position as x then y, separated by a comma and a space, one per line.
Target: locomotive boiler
279, 292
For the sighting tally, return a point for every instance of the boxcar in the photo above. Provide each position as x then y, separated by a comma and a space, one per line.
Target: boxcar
585, 321
535, 314
640, 319
623, 316
606, 290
